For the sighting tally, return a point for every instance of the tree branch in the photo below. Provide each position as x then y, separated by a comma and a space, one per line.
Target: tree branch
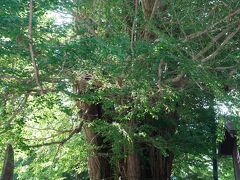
134, 25
214, 40
177, 78
36, 70
74, 131
200, 33
215, 53
155, 6
225, 68
160, 74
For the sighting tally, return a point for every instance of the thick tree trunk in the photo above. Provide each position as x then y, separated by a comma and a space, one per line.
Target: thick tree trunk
154, 165
161, 166
98, 160
8, 166
133, 166
151, 164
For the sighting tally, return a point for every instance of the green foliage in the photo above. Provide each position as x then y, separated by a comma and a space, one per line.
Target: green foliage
135, 76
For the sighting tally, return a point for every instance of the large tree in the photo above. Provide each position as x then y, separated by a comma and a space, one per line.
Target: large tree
141, 80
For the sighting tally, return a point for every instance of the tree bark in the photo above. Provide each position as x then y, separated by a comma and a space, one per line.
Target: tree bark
133, 166
98, 161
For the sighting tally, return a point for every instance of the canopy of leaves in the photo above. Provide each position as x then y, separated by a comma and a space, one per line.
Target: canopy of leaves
183, 58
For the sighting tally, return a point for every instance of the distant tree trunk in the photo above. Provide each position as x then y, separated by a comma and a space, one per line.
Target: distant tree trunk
8, 166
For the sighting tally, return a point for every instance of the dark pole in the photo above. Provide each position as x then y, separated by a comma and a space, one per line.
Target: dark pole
214, 158
236, 161
215, 168
8, 166
214, 149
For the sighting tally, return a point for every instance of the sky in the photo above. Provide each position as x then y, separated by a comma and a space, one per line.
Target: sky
60, 18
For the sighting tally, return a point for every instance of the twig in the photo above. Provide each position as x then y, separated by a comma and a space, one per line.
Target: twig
36, 70
55, 156
134, 25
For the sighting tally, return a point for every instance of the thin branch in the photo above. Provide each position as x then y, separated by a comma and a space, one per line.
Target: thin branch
48, 129
200, 33
155, 6
35, 66
74, 131
215, 53
55, 156
37, 92
134, 25
225, 68
214, 40
46, 138
160, 74
15, 113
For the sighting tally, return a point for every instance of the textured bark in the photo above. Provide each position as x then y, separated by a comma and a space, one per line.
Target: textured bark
98, 161
161, 166
154, 165
133, 166
8, 166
